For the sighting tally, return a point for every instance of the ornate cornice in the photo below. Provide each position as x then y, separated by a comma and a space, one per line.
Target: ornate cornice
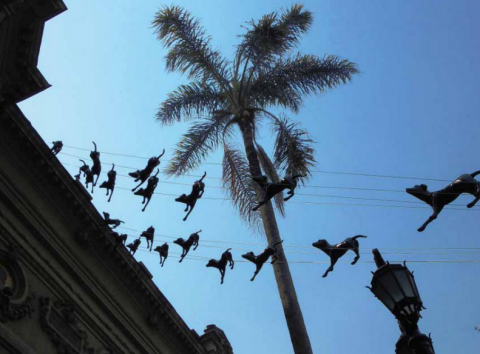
21, 30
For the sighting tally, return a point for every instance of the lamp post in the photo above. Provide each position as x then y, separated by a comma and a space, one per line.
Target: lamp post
394, 285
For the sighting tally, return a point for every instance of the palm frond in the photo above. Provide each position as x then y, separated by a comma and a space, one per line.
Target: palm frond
189, 47
186, 101
271, 172
274, 35
201, 139
292, 79
294, 152
237, 181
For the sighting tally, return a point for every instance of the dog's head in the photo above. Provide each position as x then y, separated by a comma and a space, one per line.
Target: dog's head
179, 241
320, 244
182, 198
211, 263
418, 190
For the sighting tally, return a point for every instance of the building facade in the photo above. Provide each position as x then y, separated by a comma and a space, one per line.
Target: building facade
63, 286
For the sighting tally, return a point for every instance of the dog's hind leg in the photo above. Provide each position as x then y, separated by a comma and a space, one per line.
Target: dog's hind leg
186, 216
134, 189
109, 199
146, 204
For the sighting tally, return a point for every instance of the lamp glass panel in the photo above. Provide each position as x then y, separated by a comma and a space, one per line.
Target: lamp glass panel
389, 282
404, 279
414, 286
383, 296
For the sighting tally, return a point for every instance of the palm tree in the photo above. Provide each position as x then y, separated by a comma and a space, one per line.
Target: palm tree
224, 95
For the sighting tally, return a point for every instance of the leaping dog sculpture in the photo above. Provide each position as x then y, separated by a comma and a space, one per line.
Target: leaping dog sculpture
113, 223
147, 192
271, 189
142, 175
163, 252
262, 258
110, 183
438, 200
97, 166
221, 264
191, 241
149, 234
337, 251
191, 199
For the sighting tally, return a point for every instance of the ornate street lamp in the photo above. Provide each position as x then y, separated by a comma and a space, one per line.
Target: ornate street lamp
394, 285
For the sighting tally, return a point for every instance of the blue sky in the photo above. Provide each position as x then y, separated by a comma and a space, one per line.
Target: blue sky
413, 111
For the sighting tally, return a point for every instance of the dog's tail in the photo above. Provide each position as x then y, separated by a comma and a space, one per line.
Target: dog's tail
476, 173
358, 236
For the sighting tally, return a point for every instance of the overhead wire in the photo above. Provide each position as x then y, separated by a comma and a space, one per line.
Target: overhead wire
317, 171
302, 194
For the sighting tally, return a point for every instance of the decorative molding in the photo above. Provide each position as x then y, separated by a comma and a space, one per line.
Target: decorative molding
10, 312
60, 322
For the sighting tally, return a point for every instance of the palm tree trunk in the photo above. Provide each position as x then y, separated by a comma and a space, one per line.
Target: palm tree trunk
291, 307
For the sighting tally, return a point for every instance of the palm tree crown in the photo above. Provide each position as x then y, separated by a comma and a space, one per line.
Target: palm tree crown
264, 74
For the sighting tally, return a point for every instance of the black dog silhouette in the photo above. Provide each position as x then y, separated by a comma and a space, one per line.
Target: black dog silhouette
191, 199
119, 239
191, 241
438, 200
147, 193
149, 234
142, 175
57, 147
271, 189
337, 251
97, 166
134, 246
221, 264
110, 183
262, 258
87, 173
163, 252
114, 222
